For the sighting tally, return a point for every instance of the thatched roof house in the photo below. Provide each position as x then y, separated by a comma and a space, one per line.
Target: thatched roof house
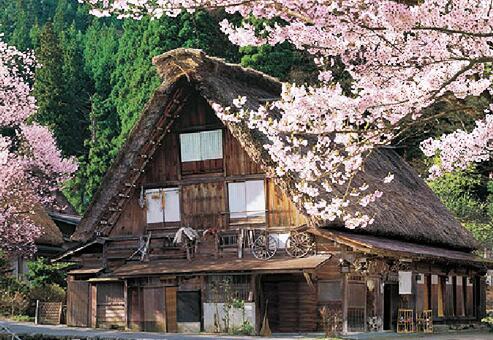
184, 171
408, 210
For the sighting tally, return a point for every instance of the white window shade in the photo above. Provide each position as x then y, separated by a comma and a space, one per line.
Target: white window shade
190, 147
211, 144
154, 206
405, 282
237, 200
172, 205
163, 205
201, 146
255, 198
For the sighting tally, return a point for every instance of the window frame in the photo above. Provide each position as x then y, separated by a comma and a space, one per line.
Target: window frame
246, 212
164, 215
200, 157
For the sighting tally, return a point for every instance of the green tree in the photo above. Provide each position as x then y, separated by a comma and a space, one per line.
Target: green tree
59, 90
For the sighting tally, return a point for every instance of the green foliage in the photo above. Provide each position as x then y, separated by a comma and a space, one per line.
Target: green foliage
47, 293
43, 273
465, 195
23, 318
14, 296
60, 89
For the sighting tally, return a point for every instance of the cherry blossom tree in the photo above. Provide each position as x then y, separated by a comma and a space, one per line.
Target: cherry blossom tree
31, 166
403, 57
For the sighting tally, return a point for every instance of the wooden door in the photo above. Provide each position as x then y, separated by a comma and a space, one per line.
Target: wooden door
292, 305
110, 305
154, 313
78, 303
356, 306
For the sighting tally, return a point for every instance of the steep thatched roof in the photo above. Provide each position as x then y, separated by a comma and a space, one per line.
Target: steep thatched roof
37, 214
50, 234
408, 209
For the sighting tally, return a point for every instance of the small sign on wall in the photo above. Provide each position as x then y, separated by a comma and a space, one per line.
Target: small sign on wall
405, 282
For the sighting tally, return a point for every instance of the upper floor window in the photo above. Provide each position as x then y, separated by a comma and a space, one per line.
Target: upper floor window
201, 146
163, 205
246, 199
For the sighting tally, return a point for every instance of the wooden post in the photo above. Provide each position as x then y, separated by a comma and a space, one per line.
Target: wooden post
345, 303
36, 313
240, 243
93, 307
125, 301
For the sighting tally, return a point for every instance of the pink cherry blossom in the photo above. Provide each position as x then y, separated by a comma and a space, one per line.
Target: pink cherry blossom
31, 166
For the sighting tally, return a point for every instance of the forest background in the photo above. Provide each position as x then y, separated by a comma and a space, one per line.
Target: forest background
96, 77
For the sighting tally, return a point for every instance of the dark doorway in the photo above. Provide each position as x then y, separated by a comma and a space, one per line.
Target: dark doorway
188, 306
390, 306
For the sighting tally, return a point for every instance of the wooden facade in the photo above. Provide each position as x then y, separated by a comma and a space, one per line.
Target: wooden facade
136, 275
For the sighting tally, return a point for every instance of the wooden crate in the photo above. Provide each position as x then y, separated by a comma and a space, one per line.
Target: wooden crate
424, 321
48, 313
405, 321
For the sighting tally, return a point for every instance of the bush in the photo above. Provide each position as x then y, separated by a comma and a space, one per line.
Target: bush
48, 293
43, 273
489, 321
23, 318
13, 302
245, 329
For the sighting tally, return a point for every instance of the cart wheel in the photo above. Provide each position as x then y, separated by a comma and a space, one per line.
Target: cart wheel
299, 244
264, 247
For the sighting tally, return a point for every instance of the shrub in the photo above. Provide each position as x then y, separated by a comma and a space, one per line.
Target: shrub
48, 293
13, 302
43, 273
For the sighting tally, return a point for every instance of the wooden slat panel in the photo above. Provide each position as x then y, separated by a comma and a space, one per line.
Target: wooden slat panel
435, 286
110, 311
132, 219
292, 305
204, 205
49, 313
469, 297
281, 210
77, 303
154, 319
449, 298
237, 161
171, 310
459, 296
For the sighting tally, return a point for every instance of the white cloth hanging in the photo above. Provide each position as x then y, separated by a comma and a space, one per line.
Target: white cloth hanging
187, 232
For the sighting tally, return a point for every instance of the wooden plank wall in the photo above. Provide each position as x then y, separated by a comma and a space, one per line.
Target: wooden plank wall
292, 305
77, 303
204, 205
110, 311
203, 195
171, 322
281, 210
237, 162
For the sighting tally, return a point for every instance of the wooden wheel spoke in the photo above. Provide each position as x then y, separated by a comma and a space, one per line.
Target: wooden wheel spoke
299, 244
